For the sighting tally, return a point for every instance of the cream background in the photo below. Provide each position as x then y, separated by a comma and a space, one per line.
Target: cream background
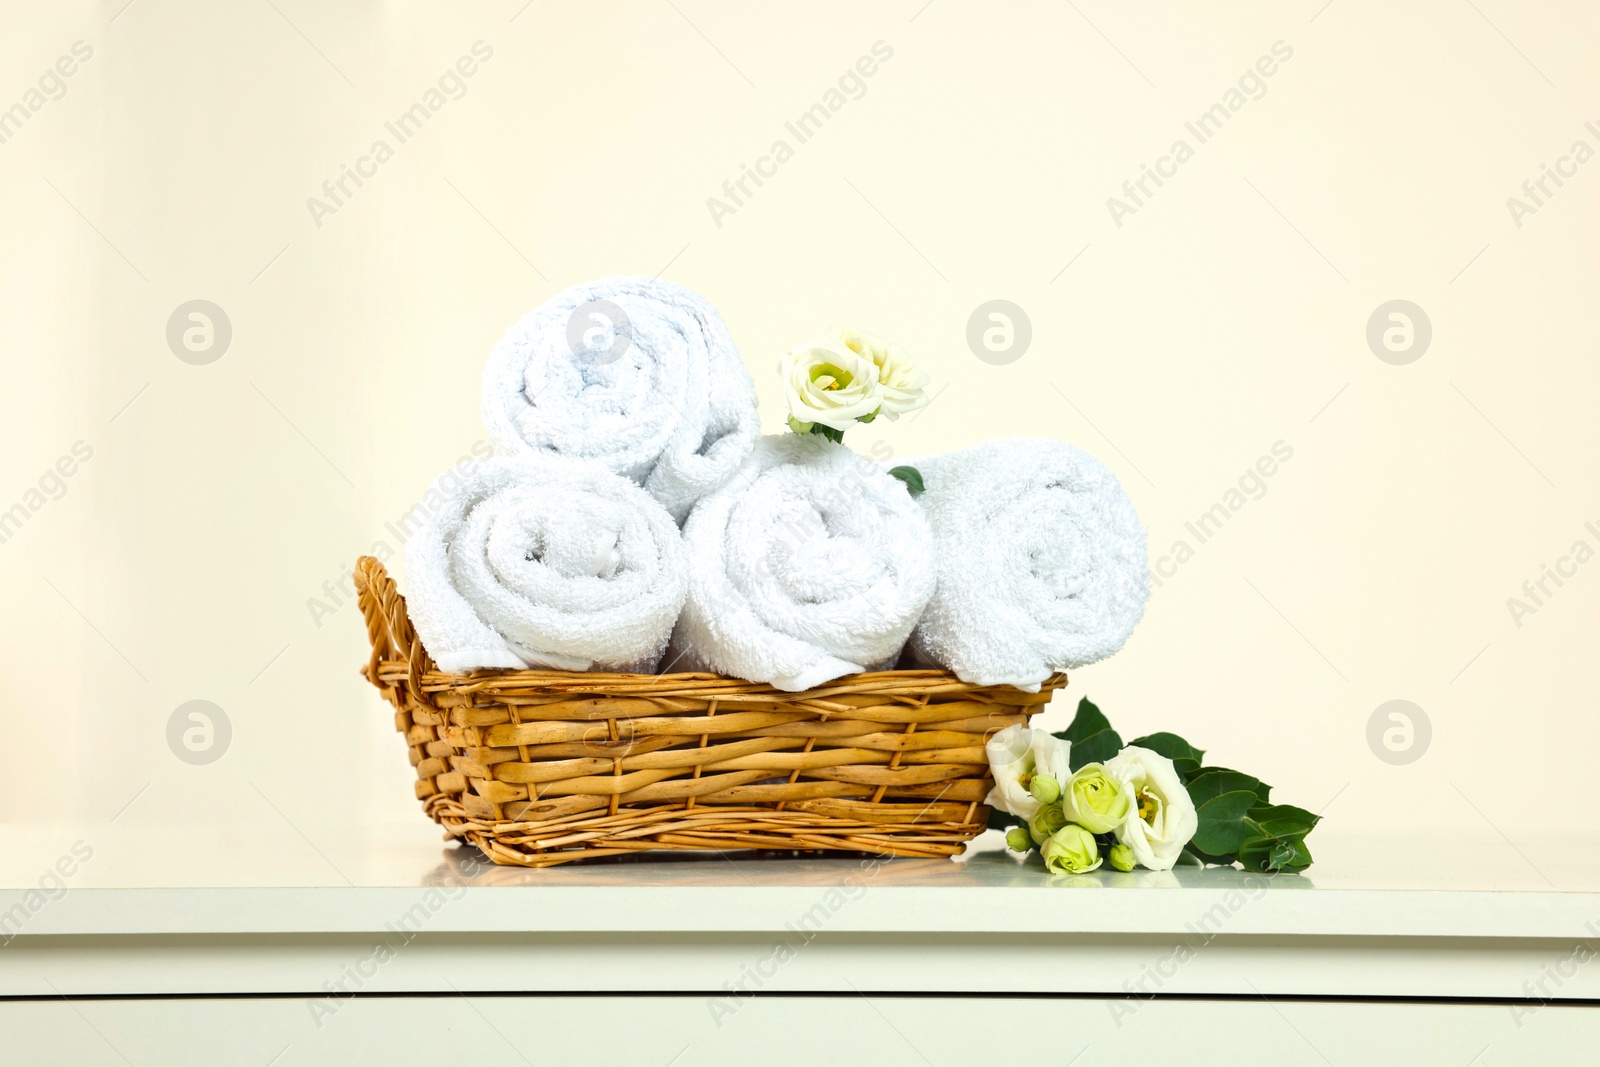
1206, 328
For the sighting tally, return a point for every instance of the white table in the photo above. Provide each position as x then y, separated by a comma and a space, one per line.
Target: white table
1386, 951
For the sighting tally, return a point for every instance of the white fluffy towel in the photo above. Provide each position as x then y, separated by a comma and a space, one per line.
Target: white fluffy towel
539, 561
811, 564
1042, 562
637, 375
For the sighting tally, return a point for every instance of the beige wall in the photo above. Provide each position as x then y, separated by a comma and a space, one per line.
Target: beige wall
1224, 315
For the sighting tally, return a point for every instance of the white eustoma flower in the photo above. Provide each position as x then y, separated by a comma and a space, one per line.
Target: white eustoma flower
1016, 754
902, 385
1163, 819
827, 382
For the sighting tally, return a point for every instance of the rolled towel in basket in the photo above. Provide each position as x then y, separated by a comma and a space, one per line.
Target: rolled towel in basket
1041, 557
539, 561
637, 375
811, 564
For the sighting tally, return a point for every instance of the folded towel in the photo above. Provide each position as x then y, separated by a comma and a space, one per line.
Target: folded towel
539, 561
638, 375
1041, 559
810, 564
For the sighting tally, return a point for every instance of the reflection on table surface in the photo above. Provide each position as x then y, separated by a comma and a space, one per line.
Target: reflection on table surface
982, 868
159, 855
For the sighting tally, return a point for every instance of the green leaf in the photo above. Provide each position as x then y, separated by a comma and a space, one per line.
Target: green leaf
1212, 782
836, 436
911, 476
1222, 822
1088, 720
1283, 820
1290, 854
1263, 790
1096, 748
1184, 756
1091, 736
1256, 853
1187, 859
1003, 820
1273, 854
1277, 838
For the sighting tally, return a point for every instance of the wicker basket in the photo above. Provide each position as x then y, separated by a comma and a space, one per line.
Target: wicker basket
544, 767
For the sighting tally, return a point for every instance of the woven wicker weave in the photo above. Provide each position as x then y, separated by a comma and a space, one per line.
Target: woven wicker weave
544, 767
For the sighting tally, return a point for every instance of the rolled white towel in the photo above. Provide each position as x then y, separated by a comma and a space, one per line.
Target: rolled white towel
811, 564
1041, 558
539, 561
637, 375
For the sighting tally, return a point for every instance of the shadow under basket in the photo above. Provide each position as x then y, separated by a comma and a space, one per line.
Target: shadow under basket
540, 767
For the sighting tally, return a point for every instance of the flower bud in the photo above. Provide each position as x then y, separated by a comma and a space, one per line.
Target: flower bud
1018, 839
1045, 789
1070, 850
1050, 819
1121, 857
1095, 800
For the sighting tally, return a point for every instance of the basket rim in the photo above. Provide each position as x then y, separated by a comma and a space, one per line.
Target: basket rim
397, 654
696, 684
